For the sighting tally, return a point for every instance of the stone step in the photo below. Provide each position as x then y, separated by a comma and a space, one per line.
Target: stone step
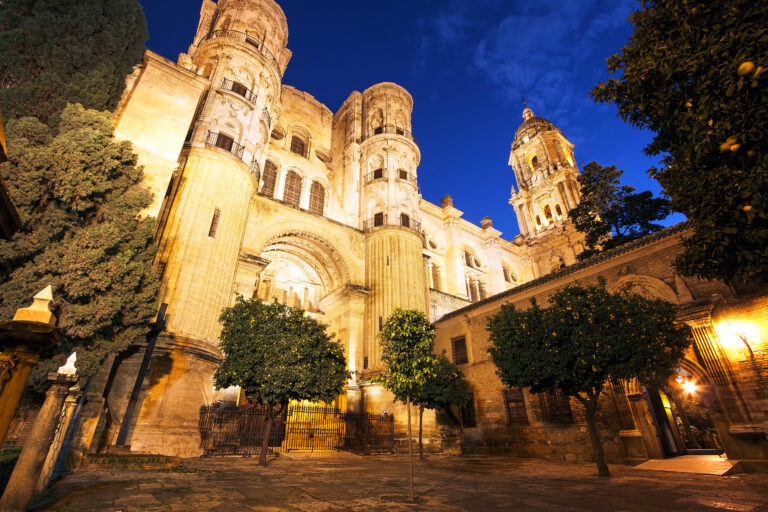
133, 461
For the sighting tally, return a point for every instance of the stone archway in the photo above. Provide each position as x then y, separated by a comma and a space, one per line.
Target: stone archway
646, 286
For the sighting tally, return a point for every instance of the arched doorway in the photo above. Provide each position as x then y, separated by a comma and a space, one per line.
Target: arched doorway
681, 413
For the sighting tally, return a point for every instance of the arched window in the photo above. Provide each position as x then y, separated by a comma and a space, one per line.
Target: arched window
507, 274
270, 179
548, 212
435, 277
298, 146
558, 210
292, 194
316, 198
467, 258
535, 162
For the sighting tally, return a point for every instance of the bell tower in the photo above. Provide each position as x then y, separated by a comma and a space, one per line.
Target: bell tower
546, 174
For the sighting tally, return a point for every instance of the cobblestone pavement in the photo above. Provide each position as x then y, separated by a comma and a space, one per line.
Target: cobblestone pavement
374, 483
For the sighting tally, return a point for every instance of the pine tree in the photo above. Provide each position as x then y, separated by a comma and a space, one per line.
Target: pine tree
79, 194
56, 52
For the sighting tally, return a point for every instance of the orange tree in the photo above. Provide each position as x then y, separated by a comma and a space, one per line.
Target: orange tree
407, 338
694, 73
445, 387
584, 338
276, 354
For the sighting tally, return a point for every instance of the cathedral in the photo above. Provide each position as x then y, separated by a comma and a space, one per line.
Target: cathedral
262, 191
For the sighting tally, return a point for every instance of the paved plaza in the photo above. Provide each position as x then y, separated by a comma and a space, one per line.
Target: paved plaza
376, 483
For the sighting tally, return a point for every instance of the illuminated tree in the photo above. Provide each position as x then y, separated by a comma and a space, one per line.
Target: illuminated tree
407, 339
694, 73
584, 338
276, 354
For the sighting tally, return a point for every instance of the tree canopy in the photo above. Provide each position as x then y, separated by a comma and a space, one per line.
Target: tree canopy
276, 354
407, 339
56, 52
585, 337
79, 193
611, 214
694, 73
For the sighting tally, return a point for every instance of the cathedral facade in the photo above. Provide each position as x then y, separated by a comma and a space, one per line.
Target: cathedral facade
262, 191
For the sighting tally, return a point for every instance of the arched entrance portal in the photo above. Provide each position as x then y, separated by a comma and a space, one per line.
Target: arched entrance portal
303, 270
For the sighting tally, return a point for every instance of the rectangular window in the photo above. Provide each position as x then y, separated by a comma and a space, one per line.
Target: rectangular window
468, 418
224, 142
515, 405
240, 89
378, 174
378, 219
556, 407
403, 175
459, 350
405, 221
214, 223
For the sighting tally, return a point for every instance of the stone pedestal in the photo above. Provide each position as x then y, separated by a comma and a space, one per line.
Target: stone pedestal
25, 475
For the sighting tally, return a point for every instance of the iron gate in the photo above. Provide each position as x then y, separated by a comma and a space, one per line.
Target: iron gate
229, 430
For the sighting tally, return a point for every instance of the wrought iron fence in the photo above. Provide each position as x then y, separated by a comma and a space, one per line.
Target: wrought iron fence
239, 89
240, 430
256, 170
226, 143
389, 130
245, 38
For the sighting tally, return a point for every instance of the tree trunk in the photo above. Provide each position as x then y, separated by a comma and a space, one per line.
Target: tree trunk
410, 447
265, 441
590, 404
421, 416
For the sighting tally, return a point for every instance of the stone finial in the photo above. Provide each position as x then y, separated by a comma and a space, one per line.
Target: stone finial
527, 113
446, 202
40, 310
486, 223
69, 367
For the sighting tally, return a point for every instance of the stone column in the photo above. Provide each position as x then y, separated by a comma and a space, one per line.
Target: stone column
49, 467
24, 478
15, 366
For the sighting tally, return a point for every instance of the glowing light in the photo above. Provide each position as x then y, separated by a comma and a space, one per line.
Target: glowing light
689, 387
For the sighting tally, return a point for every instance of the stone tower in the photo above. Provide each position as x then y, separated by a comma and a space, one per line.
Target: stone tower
546, 174
389, 209
240, 48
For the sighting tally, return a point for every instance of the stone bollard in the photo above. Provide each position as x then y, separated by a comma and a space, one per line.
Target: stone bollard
25, 475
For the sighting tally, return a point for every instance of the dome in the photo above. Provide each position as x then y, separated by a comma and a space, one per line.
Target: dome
533, 124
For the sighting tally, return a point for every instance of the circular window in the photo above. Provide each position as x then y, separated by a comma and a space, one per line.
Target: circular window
432, 244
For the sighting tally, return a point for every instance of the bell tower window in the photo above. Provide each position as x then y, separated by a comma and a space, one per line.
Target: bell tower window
548, 213
558, 210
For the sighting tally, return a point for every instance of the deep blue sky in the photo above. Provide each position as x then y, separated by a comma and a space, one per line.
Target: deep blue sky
467, 63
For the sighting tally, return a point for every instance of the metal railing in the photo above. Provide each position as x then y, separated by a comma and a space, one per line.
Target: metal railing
391, 220
389, 130
378, 174
266, 117
239, 89
240, 430
256, 170
226, 143
406, 176
245, 38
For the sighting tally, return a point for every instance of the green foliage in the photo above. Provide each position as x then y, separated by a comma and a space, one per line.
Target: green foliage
56, 52
585, 337
446, 386
695, 73
407, 339
276, 353
79, 193
7, 462
611, 214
